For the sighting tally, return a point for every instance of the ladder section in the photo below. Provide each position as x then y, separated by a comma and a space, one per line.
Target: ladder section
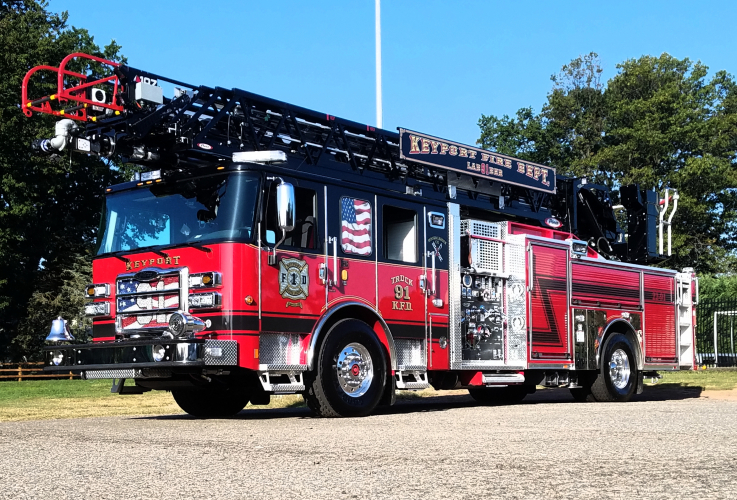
684, 320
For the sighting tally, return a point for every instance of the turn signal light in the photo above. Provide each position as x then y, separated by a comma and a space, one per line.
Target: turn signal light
249, 300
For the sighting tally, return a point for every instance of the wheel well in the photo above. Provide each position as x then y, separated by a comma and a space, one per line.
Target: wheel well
623, 327
360, 312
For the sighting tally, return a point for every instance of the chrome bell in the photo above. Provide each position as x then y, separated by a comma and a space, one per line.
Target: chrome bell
59, 331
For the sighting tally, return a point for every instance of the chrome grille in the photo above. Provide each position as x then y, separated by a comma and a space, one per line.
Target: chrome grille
146, 305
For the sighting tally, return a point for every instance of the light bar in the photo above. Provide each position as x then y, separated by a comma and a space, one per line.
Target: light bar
150, 176
259, 156
94, 309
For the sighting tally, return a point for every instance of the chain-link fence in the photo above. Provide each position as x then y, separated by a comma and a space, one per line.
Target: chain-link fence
716, 332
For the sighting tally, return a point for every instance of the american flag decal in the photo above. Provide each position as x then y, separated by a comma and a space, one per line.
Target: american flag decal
146, 305
356, 226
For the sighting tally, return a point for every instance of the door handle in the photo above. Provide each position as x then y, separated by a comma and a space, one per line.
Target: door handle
334, 241
532, 265
431, 254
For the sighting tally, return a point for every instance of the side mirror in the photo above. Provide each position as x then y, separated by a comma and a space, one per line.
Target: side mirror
285, 212
285, 206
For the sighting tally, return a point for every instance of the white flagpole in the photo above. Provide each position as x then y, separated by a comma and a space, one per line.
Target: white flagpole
378, 65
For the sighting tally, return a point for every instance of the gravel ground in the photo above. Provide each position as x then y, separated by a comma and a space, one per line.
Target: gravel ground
664, 445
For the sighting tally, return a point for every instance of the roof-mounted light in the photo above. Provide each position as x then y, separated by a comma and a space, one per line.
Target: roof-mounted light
259, 156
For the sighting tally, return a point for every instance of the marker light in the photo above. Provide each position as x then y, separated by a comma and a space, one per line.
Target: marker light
205, 280
94, 309
208, 300
98, 290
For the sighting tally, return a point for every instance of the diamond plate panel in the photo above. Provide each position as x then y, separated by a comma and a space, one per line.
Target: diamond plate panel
281, 349
410, 354
220, 352
100, 374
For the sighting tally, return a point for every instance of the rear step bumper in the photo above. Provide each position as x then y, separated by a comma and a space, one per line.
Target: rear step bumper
502, 378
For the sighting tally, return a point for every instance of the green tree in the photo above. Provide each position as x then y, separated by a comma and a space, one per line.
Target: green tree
660, 122
49, 206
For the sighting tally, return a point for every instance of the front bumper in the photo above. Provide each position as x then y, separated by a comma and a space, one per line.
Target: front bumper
105, 359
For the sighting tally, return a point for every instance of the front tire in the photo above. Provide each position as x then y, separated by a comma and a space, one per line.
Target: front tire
350, 375
203, 403
617, 378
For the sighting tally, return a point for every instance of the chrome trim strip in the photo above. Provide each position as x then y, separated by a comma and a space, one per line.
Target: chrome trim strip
171, 291
454, 286
610, 263
146, 311
317, 332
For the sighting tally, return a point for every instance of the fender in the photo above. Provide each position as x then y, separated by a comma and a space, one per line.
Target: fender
318, 331
623, 326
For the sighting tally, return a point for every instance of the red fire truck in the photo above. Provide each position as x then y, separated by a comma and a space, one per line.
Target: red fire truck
271, 249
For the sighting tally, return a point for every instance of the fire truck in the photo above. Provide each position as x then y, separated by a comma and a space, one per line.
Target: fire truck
265, 249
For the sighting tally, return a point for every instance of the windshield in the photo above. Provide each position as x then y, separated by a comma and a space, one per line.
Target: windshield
195, 211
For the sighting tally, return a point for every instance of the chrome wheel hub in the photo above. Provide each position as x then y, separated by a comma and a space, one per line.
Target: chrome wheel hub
354, 369
619, 369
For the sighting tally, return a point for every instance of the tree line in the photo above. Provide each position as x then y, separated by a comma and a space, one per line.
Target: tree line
660, 122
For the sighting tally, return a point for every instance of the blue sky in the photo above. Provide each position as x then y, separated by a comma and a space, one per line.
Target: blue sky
444, 63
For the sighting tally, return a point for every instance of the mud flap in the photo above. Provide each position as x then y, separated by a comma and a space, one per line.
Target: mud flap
120, 388
640, 383
390, 392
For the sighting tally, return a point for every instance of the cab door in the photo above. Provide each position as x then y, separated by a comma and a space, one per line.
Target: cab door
292, 295
402, 277
349, 269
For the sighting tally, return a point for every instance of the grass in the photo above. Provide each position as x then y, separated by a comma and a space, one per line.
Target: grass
708, 380
60, 399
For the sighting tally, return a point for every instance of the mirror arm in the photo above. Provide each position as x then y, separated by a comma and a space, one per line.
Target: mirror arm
272, 254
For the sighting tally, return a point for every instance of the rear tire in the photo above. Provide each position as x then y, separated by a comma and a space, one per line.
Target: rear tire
499, 395
350, 375
617, 378
203, 403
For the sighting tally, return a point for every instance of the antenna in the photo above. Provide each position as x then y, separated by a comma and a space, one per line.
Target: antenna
379, 118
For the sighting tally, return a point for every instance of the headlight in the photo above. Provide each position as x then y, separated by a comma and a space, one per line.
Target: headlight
97, 309
579, 248
183, 324
209, 300
57, 358
158, 352
205, 280
99, 290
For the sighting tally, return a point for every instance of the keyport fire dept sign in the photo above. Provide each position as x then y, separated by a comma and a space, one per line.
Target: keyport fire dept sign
448, 155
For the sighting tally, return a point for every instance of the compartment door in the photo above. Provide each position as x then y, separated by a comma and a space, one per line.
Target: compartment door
548, 277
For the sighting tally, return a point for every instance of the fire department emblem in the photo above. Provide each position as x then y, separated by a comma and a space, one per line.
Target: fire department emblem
294, 279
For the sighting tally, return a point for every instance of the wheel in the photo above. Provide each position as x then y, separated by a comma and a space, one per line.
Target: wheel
500, 395
617, 379
203, 403
350, 374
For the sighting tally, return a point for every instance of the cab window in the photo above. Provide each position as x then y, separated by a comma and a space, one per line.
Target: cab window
304, 235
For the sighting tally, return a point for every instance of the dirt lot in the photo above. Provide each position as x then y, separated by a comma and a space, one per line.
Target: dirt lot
670, 443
